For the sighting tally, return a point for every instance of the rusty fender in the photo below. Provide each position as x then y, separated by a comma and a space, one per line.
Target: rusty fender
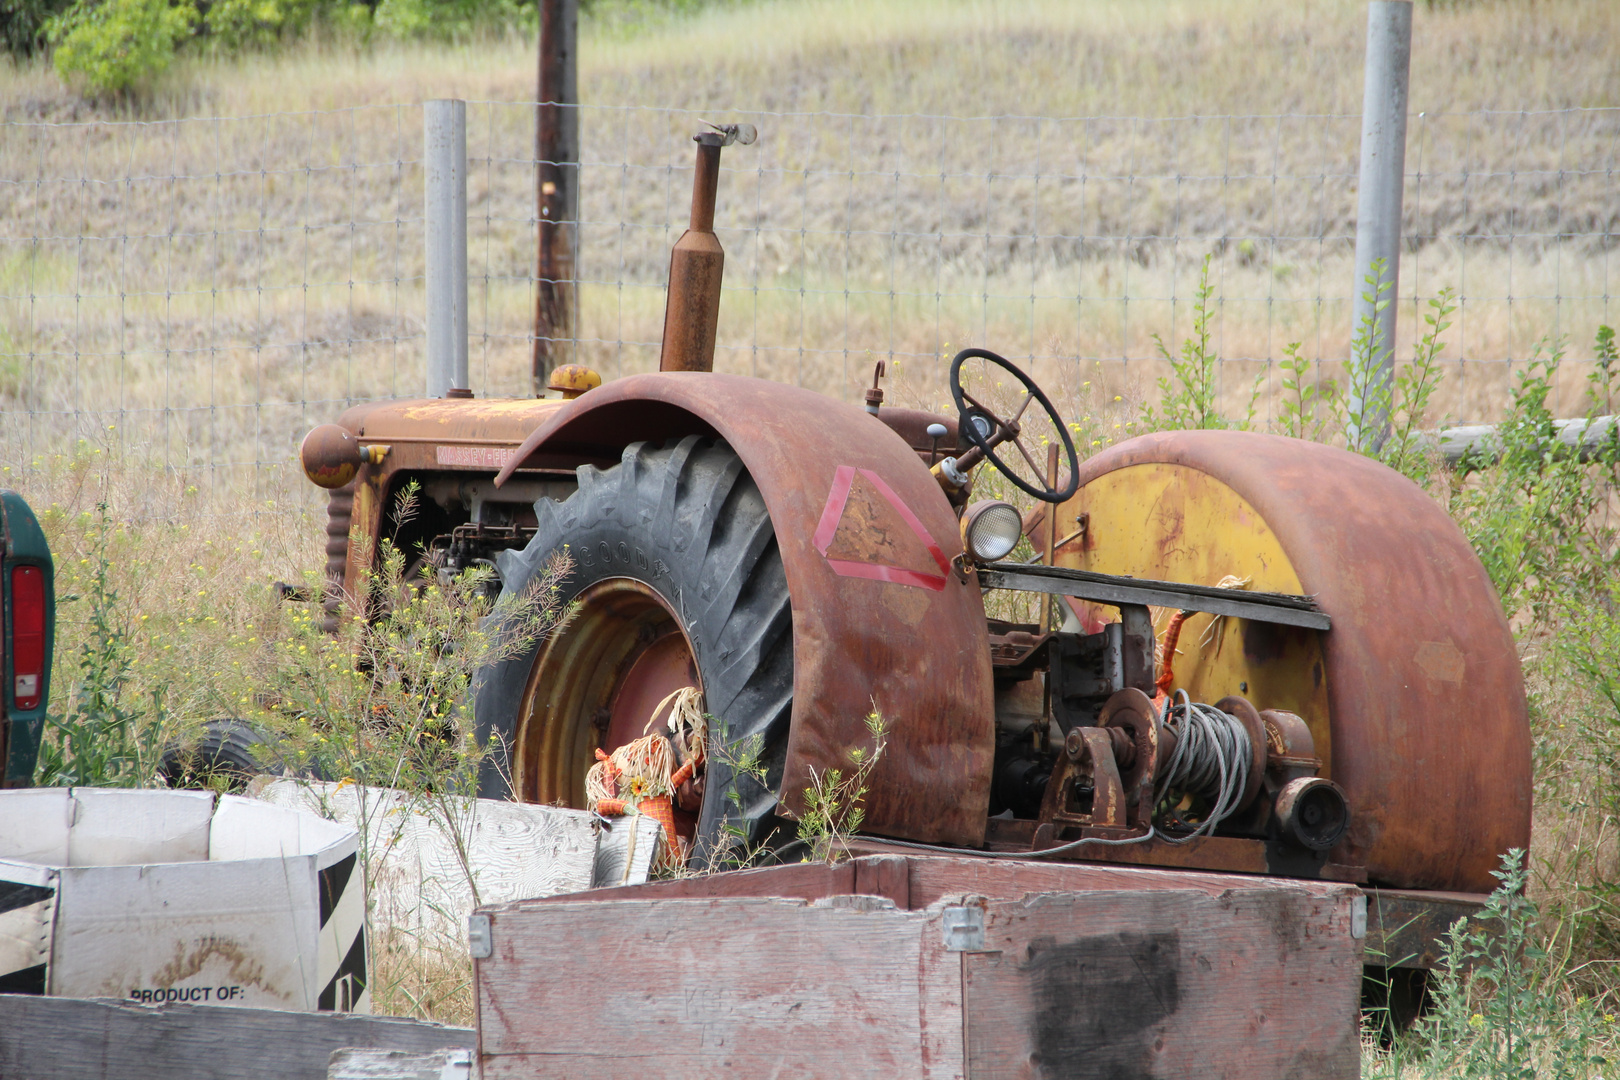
879, 616
1430, 737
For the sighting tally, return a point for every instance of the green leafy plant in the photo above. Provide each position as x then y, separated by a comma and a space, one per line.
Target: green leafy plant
1406, 450
1303, 406
1537, 515
1498, 1010
104, 736
383, 707
235, 25
22, 26
834, 807
1369, 396
387, 701
742, 759
1600, 388
1189, 397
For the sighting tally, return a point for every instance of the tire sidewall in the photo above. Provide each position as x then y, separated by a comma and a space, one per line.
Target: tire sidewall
600, 550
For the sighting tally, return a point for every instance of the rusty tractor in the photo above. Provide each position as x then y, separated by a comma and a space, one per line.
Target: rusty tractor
1272, 656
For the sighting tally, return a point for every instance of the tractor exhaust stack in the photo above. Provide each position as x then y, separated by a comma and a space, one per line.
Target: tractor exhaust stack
697, 263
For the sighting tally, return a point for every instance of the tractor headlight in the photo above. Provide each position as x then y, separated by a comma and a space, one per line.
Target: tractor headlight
990, 530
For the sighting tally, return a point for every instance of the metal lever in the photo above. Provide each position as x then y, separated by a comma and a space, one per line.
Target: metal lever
936, 432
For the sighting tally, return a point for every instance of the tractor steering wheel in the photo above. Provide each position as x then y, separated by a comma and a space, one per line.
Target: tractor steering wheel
985, 430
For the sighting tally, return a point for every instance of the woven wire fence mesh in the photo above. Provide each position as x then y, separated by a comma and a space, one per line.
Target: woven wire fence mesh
210, 288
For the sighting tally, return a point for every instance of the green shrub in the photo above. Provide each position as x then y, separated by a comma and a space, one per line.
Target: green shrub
239, 24
1538, 517
117, 45
1189, 397
387, 701
22, 24
1499, 1007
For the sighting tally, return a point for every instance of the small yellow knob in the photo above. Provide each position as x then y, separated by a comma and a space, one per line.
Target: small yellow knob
572, 380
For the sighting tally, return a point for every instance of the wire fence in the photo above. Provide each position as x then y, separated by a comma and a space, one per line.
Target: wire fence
210, 288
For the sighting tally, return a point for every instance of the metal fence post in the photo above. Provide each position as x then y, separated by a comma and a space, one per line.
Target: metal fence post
444, 166
1378, 210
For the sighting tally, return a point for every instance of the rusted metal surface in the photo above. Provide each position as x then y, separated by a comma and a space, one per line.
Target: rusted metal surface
579, 679
1141, 522
430, 435
1405, 927
330, 455
1419, 680
490, 422
696, 267
662, 668
912, 426
875, 619
339, 518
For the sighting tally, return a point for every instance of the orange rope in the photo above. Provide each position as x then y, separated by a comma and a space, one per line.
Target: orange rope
1172, 634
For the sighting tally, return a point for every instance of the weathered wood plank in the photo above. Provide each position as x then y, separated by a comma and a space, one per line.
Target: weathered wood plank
885, 875
941, 1029
706, 988
1255, 983
44, 1038
798, 881
1009, 879
368, 1064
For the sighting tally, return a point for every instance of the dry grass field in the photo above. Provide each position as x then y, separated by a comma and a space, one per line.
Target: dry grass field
220, 266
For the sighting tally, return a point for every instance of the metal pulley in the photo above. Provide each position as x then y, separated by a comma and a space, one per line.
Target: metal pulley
1139, 770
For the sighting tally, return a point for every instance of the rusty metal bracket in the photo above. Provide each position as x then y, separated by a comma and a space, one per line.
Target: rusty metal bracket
1088, 753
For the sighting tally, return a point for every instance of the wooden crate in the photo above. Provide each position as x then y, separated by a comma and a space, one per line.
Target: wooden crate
853, 971
46, 1038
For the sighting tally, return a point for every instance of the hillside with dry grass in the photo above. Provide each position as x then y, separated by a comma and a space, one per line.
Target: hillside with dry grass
240, 252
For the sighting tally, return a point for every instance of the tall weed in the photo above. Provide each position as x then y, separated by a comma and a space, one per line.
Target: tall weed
1499, 1009
386, 702
107, 733
1189, 396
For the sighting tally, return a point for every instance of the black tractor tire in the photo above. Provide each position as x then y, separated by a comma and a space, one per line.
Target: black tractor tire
226, 756
688, 520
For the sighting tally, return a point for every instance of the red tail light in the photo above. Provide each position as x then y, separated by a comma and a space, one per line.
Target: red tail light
27, 635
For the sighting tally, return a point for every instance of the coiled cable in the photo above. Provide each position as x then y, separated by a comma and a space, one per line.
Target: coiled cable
1211, 759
